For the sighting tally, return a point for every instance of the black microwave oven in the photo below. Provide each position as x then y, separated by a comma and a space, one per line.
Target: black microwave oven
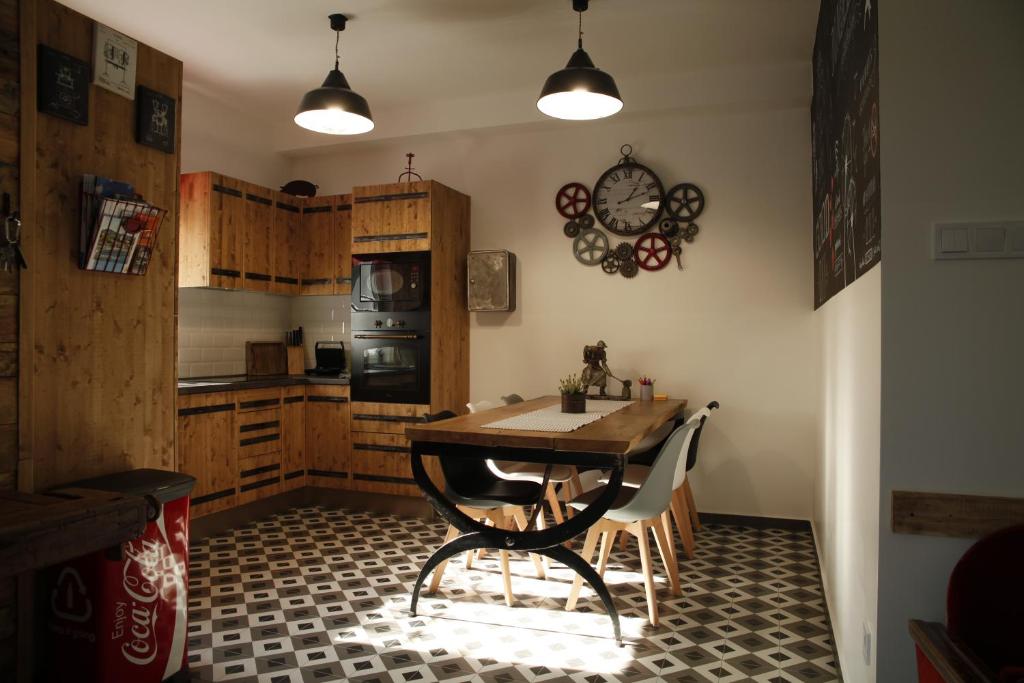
391, 283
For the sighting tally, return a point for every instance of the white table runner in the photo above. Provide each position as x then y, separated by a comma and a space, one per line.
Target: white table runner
552, 419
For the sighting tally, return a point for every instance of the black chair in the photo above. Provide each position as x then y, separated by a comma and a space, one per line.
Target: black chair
477, 492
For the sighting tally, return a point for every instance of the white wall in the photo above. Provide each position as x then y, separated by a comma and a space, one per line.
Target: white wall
216, 137
952, 94
735, 326
846, 491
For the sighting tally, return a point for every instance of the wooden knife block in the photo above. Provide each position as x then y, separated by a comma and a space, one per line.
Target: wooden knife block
296, 360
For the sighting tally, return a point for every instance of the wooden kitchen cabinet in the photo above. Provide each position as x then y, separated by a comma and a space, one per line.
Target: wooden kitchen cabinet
211, 235
393, 217
343, 245
258, 232
288, 243
293, 429
206, 450
381, 464
318, 243
328, 441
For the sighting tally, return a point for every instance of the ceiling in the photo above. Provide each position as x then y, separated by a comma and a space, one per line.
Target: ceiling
462, 63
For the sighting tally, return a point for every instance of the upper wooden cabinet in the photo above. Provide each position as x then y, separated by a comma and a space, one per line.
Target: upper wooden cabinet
237, 235
394, 217
211, 238
288, 243
258, 229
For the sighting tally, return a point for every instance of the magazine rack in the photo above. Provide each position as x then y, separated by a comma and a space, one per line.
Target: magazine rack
121, 236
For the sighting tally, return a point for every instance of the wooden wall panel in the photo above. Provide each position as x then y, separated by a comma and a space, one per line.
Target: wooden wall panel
98, 386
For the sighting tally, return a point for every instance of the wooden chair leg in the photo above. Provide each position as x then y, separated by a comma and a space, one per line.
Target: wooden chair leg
571, 489
520, 518
556, 509
645, 560
682, 519
665, 551
624, 542
435, 582
541, 525
691, 504
506, 570
607, 541
588, 553
666, 523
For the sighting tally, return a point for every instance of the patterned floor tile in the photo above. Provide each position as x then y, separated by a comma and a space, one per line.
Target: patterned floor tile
318, 594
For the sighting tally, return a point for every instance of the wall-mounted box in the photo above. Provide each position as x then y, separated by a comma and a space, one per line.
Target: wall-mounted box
492, 280
1000, 239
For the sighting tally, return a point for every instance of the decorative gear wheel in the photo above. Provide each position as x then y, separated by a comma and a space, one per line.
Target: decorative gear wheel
653, 251
572, 200
684, 202
690, 231
611, 264
624, 250
586, 221
669, 228
590, 247
571, 229
628, 269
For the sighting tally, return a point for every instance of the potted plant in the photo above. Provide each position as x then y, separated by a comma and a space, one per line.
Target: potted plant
574, 394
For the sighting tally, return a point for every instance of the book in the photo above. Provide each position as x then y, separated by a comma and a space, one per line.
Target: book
118, 228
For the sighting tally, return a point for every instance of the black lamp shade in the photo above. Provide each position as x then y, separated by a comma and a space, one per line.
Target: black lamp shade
334, 108
579, 91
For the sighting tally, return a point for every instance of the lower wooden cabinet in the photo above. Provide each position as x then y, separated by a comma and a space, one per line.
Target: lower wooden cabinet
328, 442
206, 430
380, 464
293, 429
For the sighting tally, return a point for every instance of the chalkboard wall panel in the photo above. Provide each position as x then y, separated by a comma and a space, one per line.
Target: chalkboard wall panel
845, 145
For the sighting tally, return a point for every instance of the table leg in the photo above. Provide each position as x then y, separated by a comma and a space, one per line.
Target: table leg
547, 542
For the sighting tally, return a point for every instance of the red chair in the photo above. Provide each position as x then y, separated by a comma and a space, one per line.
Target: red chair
983, 639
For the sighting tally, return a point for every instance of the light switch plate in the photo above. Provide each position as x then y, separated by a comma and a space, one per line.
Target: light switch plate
996, 239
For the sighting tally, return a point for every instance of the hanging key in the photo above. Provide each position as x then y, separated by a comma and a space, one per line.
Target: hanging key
677, 250
12, 256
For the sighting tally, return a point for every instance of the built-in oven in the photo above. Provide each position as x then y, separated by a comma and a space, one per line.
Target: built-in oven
391, 357
391, 283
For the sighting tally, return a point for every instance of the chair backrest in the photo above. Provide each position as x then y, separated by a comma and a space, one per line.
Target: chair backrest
481, 406
701, 417
652, 497
512, 398
461, 475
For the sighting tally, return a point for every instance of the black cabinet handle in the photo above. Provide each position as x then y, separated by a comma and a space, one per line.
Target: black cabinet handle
327, 399
257, 276
391, 238
225, 272
200, 410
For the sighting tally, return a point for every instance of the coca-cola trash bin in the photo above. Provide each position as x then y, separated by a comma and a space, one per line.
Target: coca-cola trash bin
120, 614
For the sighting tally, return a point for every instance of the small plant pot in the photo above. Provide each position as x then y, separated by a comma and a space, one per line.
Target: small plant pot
574, 403
646, 392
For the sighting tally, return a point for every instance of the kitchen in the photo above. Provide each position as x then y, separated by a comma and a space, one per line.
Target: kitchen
387, 378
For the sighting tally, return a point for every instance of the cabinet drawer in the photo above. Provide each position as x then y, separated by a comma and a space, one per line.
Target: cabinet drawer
395, 217
259, 476
386, 418
259, 431
257, 399
380, 463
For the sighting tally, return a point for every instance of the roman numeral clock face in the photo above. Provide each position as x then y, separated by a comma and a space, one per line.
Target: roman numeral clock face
620, 194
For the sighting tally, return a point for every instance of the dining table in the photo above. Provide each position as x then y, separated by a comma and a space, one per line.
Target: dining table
606, 444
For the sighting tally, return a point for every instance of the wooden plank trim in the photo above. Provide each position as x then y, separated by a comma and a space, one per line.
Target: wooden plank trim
259, 439
391, 238
391, 197
338, 474
377, 447
953, 515
256, 426
199, 410
259, 470
952, 663
210, 497
227, 190
258, 484
327, 399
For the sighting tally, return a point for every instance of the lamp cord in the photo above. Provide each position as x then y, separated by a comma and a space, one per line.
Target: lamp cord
337, 37
580, 40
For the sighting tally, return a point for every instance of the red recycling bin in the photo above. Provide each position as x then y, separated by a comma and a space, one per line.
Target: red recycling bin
120, 614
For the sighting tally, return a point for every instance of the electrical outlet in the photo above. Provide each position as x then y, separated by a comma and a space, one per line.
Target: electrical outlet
866, 647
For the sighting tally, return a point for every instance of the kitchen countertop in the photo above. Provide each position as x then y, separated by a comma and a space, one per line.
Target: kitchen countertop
203, 385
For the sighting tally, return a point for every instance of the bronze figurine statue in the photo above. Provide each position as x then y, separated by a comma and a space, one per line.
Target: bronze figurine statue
596, 373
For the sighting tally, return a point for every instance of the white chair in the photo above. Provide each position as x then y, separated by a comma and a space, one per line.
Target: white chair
637, 511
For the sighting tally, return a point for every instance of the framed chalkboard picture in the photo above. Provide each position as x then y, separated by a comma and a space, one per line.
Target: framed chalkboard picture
154, 119
63, 86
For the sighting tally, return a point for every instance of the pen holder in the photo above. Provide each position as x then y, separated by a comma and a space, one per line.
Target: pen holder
646, 392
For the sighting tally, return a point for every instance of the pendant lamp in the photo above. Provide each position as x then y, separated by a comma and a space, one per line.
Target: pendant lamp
580, 91
334, 108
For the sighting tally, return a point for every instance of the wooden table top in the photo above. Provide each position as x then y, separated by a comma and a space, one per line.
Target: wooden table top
615, 433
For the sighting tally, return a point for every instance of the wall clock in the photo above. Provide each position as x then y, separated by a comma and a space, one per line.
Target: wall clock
620, 194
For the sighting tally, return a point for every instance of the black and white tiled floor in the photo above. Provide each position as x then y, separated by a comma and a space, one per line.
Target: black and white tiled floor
323, 594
